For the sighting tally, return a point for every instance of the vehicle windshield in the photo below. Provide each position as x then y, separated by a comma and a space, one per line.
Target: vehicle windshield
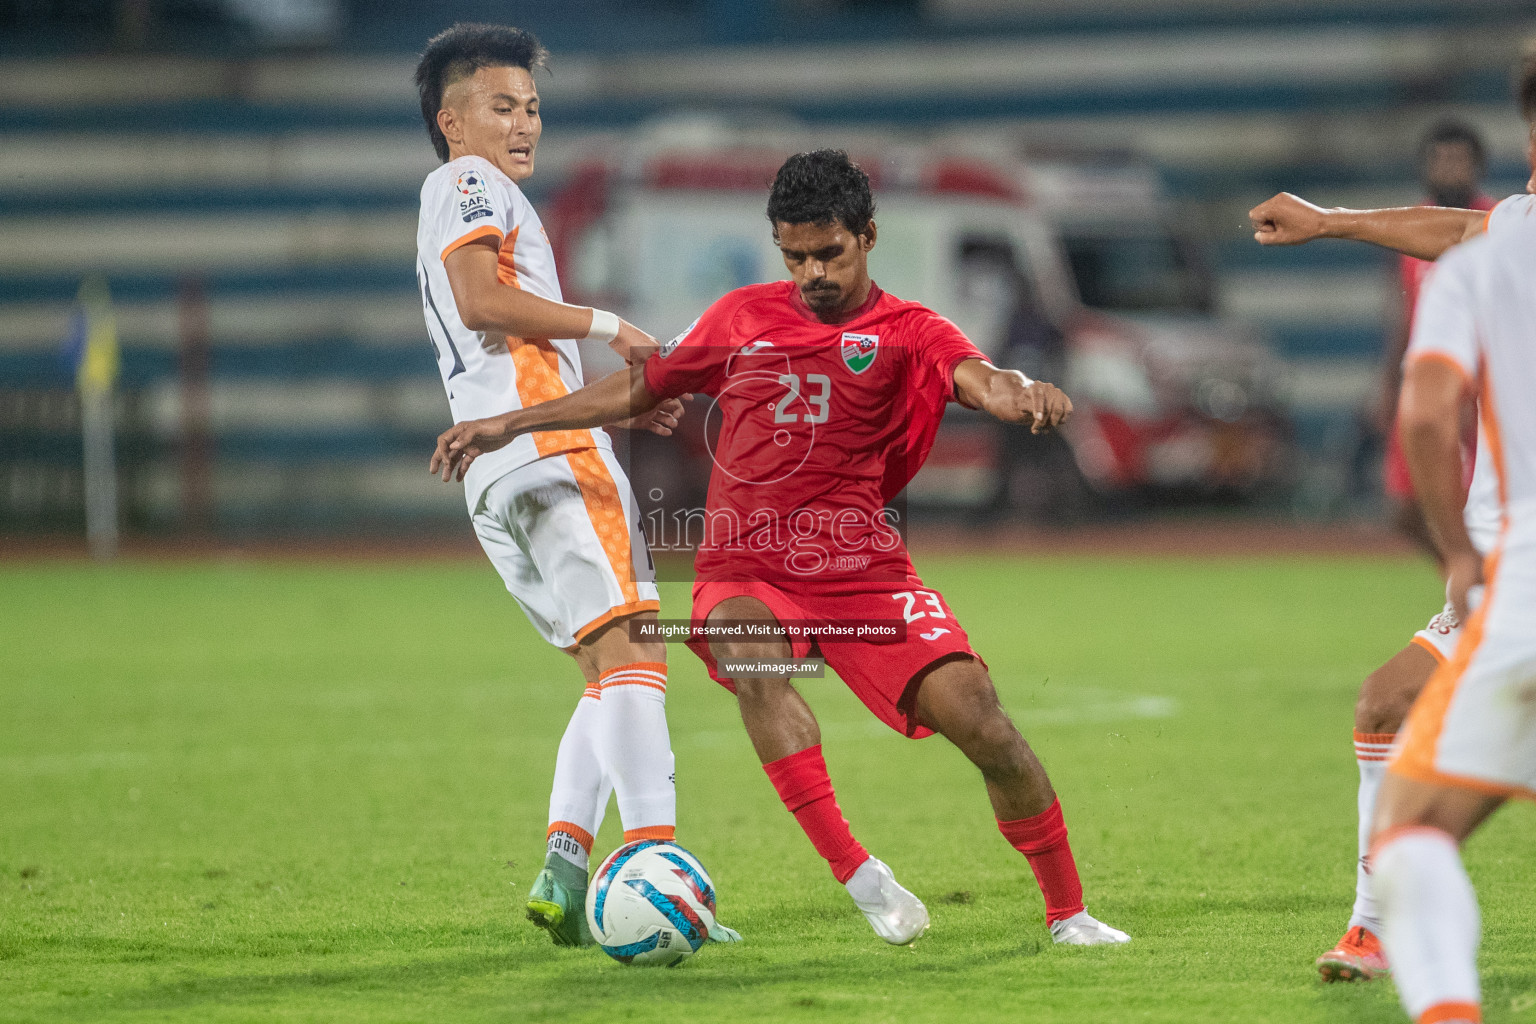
1137, 273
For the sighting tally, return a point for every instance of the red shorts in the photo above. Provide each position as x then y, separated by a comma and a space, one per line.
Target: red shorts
878, 673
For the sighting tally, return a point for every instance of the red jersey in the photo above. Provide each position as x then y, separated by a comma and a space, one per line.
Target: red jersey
1415, 272
814, 427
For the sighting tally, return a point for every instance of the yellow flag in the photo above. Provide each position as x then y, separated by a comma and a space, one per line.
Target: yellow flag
99, 363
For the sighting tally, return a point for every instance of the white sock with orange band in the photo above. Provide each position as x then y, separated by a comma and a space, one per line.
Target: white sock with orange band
582, 787
1431, 927
638, 750
1371, 750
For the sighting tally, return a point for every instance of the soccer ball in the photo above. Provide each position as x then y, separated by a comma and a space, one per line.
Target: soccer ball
651, 903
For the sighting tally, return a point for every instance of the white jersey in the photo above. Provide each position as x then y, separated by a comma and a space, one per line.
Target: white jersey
1472, 727
1478, 313
486, 373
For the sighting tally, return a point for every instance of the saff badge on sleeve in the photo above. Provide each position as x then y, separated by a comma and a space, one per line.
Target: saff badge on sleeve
859, 350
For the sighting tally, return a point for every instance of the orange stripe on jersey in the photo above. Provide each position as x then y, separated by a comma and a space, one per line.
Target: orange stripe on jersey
506, 260
606, 510
538, 380
619, 612
538, 368
484, 231
1489, 414
1426, 719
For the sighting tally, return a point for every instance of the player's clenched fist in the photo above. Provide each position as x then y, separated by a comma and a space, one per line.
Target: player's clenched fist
462, 443
1287, 220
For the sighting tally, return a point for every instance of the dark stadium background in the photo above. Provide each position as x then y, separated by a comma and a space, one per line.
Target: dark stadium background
244, 173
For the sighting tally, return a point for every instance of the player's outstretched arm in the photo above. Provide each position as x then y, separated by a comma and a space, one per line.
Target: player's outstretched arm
1011, 396
1435, 393
1421, 231
485, 304
620, 395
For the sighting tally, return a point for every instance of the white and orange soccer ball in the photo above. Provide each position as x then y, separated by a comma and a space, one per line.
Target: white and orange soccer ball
651, 903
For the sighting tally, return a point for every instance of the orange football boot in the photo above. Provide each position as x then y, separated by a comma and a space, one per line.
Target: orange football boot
1357, 957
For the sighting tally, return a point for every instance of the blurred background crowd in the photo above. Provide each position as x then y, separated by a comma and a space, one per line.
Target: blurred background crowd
208, 213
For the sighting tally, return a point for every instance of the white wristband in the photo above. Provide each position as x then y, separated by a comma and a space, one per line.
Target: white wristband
605, 326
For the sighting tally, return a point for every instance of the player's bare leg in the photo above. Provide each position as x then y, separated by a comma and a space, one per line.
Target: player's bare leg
1385, 697
1431, 925
956, 698
787, 739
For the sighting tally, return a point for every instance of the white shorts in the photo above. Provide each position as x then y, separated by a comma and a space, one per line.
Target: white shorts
564, 533
1442, 634
1474, 726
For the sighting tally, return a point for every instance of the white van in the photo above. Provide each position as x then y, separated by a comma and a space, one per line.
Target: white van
1070, 274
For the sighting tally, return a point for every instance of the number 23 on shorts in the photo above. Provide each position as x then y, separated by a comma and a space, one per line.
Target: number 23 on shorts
933, 609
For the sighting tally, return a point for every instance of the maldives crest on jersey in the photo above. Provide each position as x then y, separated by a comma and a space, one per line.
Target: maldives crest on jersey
859, 350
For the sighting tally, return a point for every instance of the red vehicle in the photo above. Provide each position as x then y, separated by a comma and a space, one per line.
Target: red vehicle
1068, 271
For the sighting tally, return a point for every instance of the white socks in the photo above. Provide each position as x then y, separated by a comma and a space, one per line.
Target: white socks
617, 740
580, 792
1431, 921
638, 750
1371, 750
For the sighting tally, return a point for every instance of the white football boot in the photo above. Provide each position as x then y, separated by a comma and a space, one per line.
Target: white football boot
720, 933
1081, 929
896, 915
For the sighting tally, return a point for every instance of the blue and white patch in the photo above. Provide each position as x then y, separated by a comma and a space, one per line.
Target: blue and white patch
666, 349
471, 183
473, 208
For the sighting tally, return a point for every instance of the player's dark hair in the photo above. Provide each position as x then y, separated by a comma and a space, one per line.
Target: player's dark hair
1525, 84
459, 52
820, 188
1451, 132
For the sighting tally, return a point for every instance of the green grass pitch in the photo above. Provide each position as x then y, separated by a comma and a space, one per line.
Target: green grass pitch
258, 792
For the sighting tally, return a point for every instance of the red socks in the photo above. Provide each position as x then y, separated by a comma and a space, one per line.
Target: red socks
1043, 839
803, 784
